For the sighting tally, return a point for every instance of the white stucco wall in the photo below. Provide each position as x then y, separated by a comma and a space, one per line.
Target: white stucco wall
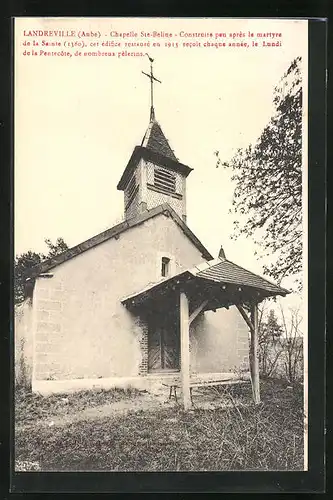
219, 342
144, 175
81, 329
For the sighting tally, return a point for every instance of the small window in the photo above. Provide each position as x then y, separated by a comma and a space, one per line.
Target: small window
165, 269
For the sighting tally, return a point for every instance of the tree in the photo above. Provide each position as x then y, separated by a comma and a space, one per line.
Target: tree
28, 260
280, 344
269, 332
292, 346
55, 249
268, 176
271, 328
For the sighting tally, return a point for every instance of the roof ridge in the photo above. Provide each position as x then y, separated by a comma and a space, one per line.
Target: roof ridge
147, 134
114, 231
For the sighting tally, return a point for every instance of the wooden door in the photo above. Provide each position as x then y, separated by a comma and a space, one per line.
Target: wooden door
163, 344
170, 349
154, 349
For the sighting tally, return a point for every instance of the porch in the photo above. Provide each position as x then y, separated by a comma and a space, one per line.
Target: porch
210, 286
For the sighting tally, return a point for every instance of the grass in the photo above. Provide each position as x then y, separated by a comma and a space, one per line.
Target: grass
238, 437
31, 407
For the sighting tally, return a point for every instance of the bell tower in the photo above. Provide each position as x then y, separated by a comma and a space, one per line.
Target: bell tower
154, 175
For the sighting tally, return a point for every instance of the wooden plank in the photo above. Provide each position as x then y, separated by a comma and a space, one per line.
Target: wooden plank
169, 181
185, 350
158, 182
221, 382
208, 384
198, 310
254, 358
246, 318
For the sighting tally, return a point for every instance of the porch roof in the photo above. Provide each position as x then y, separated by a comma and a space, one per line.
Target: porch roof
220, 282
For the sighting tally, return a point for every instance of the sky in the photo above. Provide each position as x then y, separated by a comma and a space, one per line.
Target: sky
77, 121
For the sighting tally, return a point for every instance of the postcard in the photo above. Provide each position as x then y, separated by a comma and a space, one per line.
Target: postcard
160, 244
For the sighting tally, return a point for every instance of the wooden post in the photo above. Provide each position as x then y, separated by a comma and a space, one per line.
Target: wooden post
185, 350
254, 357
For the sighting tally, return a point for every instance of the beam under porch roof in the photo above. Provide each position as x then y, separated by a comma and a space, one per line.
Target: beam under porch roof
195, 294
217, 295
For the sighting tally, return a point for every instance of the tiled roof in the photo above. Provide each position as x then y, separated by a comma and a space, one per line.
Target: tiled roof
225, 271
156, 141
216, 271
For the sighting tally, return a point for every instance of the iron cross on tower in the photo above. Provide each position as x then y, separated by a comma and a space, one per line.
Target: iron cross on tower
151, 78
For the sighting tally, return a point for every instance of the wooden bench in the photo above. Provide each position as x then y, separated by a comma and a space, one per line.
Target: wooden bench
209, 383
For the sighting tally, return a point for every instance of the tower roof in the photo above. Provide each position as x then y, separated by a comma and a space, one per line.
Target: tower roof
155, 140
155, 148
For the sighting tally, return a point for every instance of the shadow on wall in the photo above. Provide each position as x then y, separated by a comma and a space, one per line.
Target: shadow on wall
213, 343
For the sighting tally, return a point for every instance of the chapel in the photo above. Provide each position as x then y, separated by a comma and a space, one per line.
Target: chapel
144, 302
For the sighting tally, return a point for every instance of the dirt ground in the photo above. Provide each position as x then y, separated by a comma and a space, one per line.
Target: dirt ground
203, 398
